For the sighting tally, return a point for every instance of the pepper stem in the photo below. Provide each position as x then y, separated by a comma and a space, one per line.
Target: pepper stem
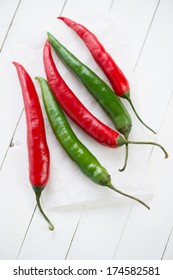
38, 194
128, 195
126, 157
147, 143
127, 96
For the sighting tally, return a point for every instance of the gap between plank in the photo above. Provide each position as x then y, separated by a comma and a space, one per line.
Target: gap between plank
10, 144
162, 122
123, 230
148, 31
111, 5
74, 233
26, 233
10, 25
63, 7
167, 243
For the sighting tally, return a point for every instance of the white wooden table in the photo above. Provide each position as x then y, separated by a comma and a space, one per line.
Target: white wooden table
96, 231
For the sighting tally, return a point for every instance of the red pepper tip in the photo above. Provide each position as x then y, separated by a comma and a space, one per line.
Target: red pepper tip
15, 63
47, 41
60, 17
18, 66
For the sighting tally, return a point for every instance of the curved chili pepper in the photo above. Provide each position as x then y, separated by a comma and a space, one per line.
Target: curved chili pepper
86, 161
38, 151
114, 74
102, 93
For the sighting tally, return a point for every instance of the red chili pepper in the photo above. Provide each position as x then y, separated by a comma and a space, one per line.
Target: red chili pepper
38, 151
74, 108
114, 74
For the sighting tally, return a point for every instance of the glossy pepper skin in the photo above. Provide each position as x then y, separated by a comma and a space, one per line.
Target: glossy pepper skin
38, 151
74, 108
97, 87
86, 161
108, 65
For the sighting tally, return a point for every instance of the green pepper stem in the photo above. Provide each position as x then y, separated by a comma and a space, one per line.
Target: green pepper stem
51, 227
128, 195
127, 96
126, 135
126, 157
147, 143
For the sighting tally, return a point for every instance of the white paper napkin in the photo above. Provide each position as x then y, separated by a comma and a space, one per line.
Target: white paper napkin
67, 185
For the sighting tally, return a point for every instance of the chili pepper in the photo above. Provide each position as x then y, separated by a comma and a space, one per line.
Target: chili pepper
114, 74
102, 93
38, 151
86, 161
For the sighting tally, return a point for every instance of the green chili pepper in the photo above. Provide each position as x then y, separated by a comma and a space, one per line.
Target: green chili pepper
87, 162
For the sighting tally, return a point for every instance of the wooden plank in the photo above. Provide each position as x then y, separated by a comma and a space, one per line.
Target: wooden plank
17, 197
145, 236
42, 244
167, 252
154, 64
130, 15
163, 182
17, 201
99, 229
7, 12
147, 239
